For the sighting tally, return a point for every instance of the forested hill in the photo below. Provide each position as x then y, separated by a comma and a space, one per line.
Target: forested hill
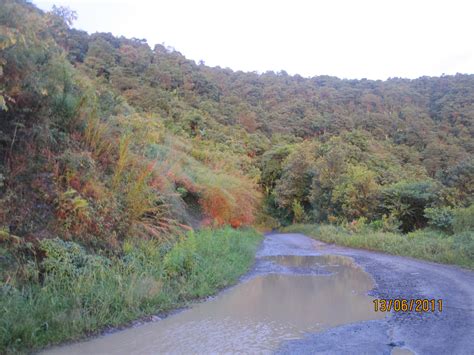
413, 112
103, 136
433, 115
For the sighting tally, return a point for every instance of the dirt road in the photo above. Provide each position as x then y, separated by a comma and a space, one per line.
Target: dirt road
448, 332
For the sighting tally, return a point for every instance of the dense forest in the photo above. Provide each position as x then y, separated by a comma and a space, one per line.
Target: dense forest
103, 139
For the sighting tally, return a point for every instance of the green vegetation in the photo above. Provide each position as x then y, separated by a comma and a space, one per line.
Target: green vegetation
111, 152
88, 117
425, 244
72, 292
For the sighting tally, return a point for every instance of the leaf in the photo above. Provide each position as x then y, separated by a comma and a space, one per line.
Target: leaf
3, 104
79, 203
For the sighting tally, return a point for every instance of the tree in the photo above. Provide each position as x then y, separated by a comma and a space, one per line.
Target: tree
271, 165
407, 201
461, 177
295, 181
356, 193
59, 21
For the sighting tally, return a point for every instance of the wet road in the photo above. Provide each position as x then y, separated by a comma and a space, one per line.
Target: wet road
304, 296
448, 332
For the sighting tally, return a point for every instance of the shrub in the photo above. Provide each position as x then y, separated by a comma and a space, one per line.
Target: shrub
408, 200
464, 244
440, 217
78, 162
376, 225
68, 259
463, 219
182, 260
230, 200
72, 211
388, 223
298, 212
356, 193
357, 225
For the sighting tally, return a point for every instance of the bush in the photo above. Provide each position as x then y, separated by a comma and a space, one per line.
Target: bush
463, 219
204, 261
357, 225
68, 259
408, 200
464, 244
298, 212
388, 223
182, 260
440, 217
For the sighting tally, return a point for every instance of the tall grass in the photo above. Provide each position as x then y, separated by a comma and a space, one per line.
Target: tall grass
122, 161
95, 136
83, 293
424, 244
225, 193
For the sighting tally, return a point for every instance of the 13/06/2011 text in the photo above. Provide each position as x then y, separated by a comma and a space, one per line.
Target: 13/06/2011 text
406, 305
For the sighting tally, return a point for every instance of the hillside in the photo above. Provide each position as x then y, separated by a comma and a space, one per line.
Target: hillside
103, 139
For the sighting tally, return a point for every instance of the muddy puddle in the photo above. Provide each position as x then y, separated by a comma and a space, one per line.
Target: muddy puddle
256, 315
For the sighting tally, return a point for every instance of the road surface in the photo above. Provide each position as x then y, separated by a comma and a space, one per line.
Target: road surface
448, 332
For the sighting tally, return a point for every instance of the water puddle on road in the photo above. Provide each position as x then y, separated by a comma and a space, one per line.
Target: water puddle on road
254, 316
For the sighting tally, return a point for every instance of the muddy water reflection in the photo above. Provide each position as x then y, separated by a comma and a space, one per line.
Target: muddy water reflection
254, 316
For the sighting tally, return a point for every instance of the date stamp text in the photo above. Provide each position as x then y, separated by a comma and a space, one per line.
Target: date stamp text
408, 305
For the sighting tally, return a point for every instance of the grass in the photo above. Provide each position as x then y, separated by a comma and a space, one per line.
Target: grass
424, 244
82, 293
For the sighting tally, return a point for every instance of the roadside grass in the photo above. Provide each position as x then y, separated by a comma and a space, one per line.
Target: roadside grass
424, 244
82, 293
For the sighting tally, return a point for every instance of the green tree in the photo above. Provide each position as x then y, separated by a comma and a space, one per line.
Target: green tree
356, 193
297, 174
271, 165
407, 201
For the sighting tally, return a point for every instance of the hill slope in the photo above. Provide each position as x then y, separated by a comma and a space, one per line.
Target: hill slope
89, 117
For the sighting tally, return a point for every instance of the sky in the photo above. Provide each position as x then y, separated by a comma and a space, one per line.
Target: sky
373, 39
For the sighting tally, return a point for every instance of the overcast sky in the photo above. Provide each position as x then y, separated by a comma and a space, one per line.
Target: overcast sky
374, 39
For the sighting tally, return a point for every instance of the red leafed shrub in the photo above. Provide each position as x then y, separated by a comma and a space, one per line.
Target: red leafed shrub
236, 206
217, 204
245, 208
